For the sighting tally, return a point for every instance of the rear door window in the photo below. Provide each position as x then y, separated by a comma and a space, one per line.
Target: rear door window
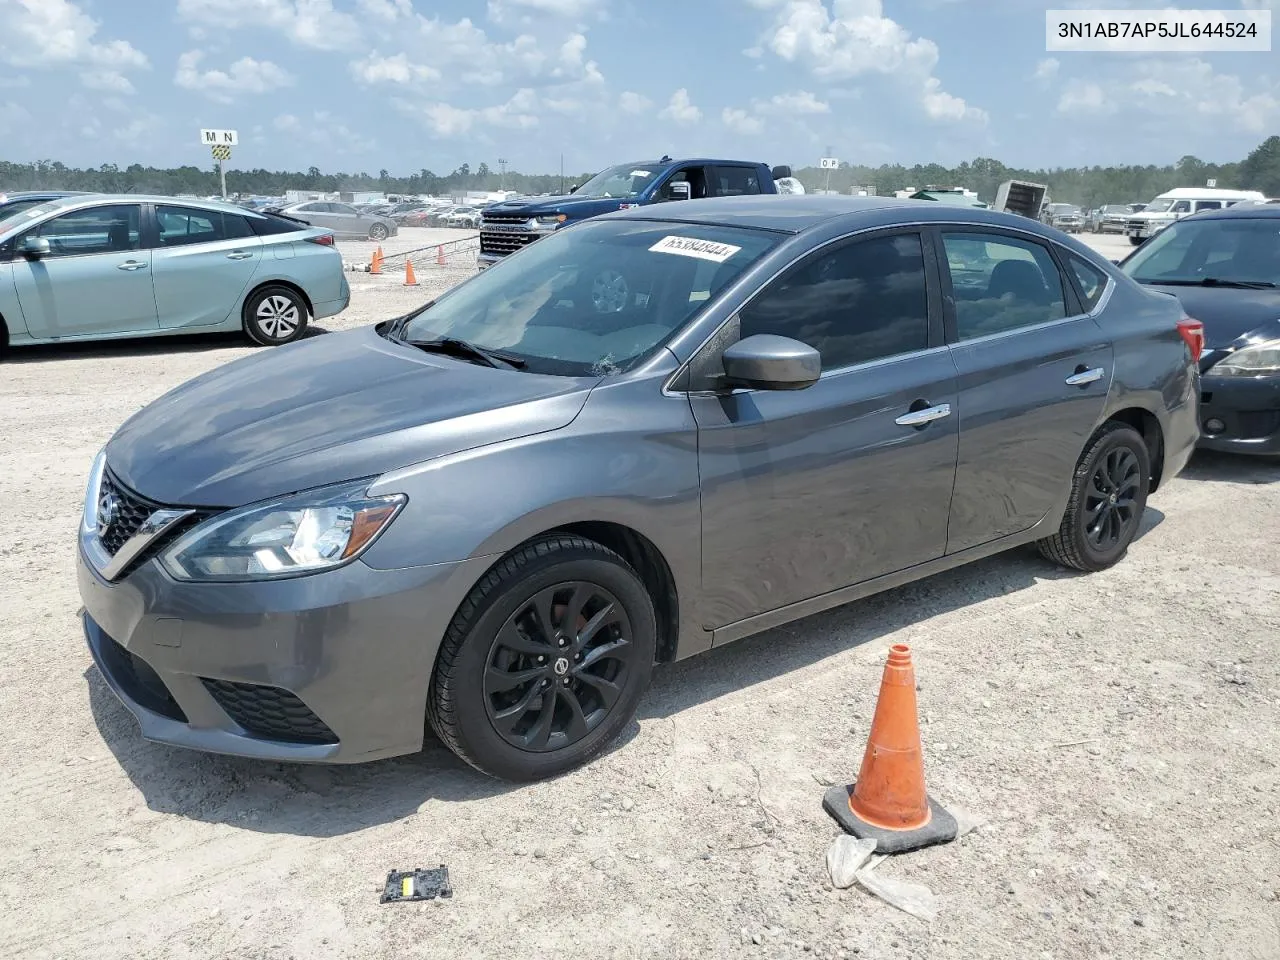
1001, 283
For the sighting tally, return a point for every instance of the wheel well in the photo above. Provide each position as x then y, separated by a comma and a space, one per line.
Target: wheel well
4, 336
1146, 424
648, 561
286, 284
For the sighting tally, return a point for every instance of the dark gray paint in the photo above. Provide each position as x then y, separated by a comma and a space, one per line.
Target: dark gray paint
764, 505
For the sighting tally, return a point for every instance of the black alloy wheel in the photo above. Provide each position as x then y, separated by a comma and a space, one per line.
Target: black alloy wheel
1108, 495
557, 666
545, 661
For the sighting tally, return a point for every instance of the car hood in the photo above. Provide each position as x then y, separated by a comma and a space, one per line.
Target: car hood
575, 208
1229, 314
323, 410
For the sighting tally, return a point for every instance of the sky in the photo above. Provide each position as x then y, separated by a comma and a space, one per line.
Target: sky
401, 85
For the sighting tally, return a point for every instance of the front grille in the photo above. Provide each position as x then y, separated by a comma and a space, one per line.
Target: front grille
1257, 424
139, 681
269, 712
1135, 224
131, 509
506, 218
504, 243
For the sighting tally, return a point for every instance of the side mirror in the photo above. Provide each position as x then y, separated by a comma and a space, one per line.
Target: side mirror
781, 172
34, 247
1116, 261
769, 362
680, 190
574, 188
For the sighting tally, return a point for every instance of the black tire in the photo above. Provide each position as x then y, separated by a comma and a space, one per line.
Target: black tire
274, 315
1136, 241
1116, 450
378, 232
460, 703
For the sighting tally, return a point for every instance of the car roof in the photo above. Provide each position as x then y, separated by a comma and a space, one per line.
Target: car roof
1241, 211
796, 213
51, 194
94, 199
1208, 193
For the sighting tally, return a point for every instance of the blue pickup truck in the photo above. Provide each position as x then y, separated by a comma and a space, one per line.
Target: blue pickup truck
508, 226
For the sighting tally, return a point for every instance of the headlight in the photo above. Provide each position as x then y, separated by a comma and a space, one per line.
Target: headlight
296, 535
1260, 360
551, 219
92, 493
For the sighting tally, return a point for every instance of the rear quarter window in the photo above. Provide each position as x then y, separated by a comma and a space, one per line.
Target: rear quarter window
1090, 281
267, 225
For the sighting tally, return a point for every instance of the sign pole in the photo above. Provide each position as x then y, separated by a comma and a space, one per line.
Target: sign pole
222, 177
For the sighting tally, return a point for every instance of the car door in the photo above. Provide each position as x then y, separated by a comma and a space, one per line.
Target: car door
344, 221
694, 174
734, 180
808, 491
202, 263
317, 214
1034, 374
96, 278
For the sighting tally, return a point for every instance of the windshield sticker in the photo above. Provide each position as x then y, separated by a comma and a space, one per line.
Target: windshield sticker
693, 247
640, 173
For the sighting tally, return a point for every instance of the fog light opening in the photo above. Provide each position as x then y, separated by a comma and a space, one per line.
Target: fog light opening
1214, 425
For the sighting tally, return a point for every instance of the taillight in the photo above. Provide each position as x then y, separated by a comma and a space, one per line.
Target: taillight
325, 239
1193, 333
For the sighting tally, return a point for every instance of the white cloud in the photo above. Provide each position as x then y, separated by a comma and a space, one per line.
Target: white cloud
1047, 68
245, 76
1085, 98
680, 109
802, 101
57, 33
377, 68
530, 11
106, 80
854, 39
386, 10
308, 23
631, 102
444, 120
739, 121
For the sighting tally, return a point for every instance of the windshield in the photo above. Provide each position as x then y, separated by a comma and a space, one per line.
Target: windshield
1159, 206
593, 299
624, 181
19, 213
1189, 251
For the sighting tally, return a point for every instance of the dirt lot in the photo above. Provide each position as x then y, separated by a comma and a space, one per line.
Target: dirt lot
1119, 734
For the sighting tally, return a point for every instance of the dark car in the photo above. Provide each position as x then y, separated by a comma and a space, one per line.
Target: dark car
17, 202
1224, 265
648, 434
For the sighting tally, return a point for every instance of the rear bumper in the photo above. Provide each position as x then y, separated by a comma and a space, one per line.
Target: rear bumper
329, 308
1240, 414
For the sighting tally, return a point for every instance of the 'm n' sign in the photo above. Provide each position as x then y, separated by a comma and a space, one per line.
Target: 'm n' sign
214, 138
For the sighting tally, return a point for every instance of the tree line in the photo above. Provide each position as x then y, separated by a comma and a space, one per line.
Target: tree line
1086, 186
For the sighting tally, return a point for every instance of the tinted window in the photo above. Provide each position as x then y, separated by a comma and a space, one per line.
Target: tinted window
1090, 280
111, 229
266, 225
594, 299
1194, 250
342, 208
1208, 204
313, 208
736, 181
860, 302
185, 225
17, 206
1001, 283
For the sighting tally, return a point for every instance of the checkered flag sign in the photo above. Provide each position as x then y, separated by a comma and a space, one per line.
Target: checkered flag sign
221, 152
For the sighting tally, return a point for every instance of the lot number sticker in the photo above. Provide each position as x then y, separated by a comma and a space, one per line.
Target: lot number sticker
693, 247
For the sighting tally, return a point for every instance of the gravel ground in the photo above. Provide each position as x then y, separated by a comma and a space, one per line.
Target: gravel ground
1116, 733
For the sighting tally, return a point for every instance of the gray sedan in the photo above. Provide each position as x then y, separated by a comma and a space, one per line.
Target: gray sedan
649, 434
346, 222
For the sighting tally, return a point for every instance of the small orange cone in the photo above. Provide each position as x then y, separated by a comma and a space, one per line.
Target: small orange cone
376, 265
409, 279
888, 803
440, 255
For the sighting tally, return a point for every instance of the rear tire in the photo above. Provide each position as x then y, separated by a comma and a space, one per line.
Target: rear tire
531, 681
274, 316
1108, 496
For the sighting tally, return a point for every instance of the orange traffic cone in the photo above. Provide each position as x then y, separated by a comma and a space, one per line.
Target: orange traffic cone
888, 802
440, 255
409, 279
376, 265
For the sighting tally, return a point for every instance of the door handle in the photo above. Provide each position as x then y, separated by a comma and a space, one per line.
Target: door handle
131, 265
920, 418
1083, 378
239, 255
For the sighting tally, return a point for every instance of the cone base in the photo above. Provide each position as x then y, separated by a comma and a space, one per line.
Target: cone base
941, 828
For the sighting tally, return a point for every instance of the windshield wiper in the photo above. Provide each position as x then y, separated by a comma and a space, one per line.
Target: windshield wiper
1213, 282
469, 351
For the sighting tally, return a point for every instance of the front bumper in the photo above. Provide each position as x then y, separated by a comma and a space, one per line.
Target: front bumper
331, 668
1246, 411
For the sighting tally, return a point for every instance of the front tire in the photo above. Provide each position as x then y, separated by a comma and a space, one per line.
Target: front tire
1108, 497
274, 316
546, 660
378, 232
1135, 241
